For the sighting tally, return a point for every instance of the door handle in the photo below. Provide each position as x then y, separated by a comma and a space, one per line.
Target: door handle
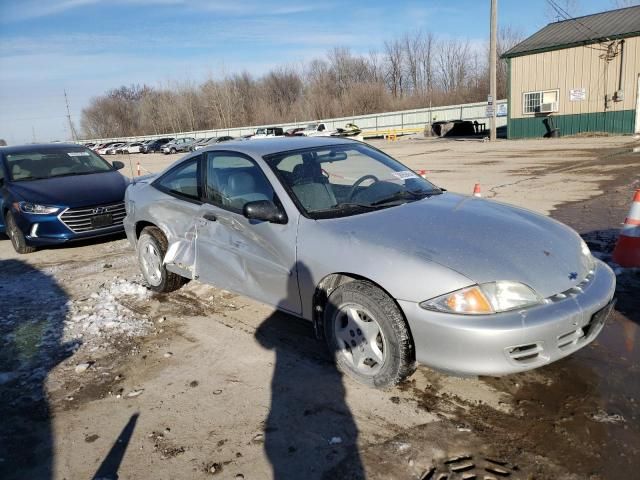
210, 216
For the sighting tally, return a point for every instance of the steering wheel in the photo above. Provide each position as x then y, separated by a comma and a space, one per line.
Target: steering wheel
357, 184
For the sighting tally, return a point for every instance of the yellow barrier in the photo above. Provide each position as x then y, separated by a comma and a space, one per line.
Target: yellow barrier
392, 133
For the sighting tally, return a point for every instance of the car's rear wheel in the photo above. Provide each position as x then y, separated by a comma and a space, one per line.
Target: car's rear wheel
368, 335
16, 236
152, 247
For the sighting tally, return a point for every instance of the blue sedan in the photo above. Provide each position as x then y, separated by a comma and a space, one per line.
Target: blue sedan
56, 193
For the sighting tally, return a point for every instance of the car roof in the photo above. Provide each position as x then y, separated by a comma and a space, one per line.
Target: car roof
268, 146
35, 146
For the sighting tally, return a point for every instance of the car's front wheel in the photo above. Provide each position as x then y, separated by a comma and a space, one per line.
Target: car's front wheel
173, 150
16, 236
152, 247
368, 335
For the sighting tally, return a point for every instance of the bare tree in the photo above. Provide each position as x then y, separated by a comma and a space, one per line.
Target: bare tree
453, 65
394, 56
411, 71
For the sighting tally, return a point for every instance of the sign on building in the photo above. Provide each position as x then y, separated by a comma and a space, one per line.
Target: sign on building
577, 94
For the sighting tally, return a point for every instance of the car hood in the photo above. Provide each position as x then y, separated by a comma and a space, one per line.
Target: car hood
480, 239
73, 191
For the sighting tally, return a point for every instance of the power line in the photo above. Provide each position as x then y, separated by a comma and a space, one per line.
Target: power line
564, 14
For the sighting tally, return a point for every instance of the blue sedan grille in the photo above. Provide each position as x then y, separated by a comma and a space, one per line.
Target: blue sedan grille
80, 220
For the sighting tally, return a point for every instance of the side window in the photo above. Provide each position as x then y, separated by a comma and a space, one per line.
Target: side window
233, 180
321, 127
183, 180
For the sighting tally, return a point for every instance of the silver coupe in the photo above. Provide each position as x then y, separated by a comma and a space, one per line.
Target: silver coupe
391, 269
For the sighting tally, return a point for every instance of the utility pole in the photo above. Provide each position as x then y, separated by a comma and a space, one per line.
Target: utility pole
493, 47
74, 136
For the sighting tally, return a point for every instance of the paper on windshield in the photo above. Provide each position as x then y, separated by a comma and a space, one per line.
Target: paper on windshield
404, 174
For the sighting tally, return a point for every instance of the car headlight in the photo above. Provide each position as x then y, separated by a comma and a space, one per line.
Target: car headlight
485, 299
590, 261
37, 209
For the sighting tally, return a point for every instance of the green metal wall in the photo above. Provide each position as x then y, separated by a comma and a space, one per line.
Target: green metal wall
610, 122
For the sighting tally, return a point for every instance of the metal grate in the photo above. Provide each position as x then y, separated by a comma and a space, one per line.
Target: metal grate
80, 220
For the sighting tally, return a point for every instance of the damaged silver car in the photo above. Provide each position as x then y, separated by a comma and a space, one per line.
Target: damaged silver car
391, 269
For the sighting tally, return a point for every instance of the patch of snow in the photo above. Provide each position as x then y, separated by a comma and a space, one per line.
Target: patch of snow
104, 314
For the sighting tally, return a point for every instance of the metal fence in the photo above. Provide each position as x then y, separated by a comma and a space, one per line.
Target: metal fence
371, 125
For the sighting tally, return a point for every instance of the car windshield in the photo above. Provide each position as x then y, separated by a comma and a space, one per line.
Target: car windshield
45, 162
341, 180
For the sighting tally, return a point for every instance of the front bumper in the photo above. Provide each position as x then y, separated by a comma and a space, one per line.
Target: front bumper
514, 341
43, 230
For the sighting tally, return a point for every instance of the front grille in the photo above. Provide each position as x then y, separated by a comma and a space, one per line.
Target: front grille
530, 353
573, 291
79, 220
571, 339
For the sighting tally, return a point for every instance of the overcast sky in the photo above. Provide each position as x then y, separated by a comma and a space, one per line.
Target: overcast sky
90, 46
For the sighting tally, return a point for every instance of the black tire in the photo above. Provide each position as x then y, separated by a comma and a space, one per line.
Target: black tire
399, 355
16, 236
173, 150
168, 281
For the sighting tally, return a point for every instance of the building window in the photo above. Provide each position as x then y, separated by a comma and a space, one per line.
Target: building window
534, 101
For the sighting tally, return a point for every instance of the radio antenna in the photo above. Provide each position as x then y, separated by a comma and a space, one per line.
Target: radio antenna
74, 135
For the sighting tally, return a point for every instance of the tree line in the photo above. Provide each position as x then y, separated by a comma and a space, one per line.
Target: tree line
416, 70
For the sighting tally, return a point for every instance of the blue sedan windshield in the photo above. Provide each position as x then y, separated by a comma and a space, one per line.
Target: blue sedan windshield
53, 162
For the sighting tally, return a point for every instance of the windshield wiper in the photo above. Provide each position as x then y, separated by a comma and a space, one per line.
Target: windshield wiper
70, 174
405, 195
28, 178
341, 205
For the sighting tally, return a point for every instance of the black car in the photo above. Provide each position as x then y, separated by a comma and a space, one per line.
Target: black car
155, 145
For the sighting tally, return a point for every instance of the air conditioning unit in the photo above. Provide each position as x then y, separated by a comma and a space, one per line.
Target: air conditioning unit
549, 107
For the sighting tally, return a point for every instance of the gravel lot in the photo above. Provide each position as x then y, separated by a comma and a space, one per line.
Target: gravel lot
98, 375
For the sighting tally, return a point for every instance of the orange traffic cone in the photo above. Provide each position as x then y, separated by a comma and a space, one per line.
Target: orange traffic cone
138, 169
476, 190
627, 251
422, 173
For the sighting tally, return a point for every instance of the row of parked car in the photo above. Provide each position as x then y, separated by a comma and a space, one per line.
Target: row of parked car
165, 145
169, 145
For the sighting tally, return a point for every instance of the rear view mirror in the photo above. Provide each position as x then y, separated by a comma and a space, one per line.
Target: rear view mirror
117, 164
332, 156
265, 211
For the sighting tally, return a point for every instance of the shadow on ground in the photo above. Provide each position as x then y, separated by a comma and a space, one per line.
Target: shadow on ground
309, 428
32, 313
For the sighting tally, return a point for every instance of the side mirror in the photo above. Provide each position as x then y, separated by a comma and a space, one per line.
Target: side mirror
117, 164
265, 211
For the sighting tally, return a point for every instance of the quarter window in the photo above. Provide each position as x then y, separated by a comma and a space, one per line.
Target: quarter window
183, 180
234, 180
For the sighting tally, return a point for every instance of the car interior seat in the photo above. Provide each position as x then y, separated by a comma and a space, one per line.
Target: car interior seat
311, 187
242, 188
22, 168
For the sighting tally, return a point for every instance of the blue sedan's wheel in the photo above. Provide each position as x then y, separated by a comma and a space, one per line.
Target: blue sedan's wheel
368, 335
152, 247
16, 236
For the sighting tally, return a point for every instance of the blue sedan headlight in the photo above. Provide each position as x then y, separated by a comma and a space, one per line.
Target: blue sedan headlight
37, 209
